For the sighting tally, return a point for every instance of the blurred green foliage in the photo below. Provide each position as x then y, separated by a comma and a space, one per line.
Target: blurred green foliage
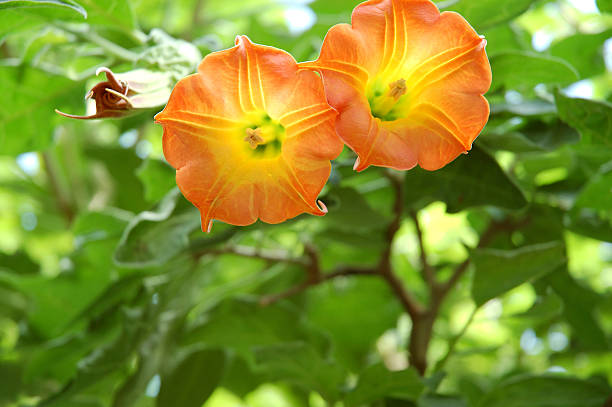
110, 294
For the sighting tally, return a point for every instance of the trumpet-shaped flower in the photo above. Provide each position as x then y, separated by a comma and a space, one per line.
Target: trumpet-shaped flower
407, 82
251, 136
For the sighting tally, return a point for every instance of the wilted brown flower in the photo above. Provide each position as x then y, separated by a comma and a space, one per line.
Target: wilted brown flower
123, 94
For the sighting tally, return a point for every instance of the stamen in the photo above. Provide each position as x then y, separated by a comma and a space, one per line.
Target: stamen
253, 137
397, 88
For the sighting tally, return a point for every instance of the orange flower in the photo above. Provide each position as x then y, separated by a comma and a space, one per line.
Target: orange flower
407, 82
250, 136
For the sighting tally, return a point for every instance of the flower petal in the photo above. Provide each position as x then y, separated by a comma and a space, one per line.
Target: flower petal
240, 89
443, 69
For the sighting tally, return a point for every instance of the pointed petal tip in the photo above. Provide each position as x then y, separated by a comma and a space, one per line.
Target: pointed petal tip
321, 207
482, 45
359, 165
73, 116
242, 40
103, 69
206, 222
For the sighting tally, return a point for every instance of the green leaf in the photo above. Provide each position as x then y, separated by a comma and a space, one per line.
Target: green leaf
300, 364
377, 382
533, 136
544, 308
482, 14
242, 324
605, 6
505, 37
337, 7
348, 210
588, 222
524, 70
154, 237
591, 118
112, 13
55, 304
579, 303
11, 373
475, 179
583, 51
434, 400
194, 379
597, 193
43, 3
328, 307
547, 391
498, 271
19, 262
157, 177
28, 98
122, 163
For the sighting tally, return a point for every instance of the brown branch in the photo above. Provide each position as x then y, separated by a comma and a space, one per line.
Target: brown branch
423, 328
428, 272
279, 256
410, 304
309, 282
60, 199
487, 236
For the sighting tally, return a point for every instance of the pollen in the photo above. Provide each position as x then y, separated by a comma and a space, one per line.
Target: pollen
397, 89
253, 137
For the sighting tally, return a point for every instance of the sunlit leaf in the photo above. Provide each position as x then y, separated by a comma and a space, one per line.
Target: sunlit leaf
524, 70
486, 13
583, 51
44, 3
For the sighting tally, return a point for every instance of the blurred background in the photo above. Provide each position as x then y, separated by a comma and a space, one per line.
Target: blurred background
110, 294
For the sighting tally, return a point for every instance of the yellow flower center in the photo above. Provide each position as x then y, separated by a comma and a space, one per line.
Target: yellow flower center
263, 137
386, 103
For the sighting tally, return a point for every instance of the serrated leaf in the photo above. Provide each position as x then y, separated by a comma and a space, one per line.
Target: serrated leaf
193, 380
498, 271
475, 179
377, 382
524, 70
547, 391
591, 118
